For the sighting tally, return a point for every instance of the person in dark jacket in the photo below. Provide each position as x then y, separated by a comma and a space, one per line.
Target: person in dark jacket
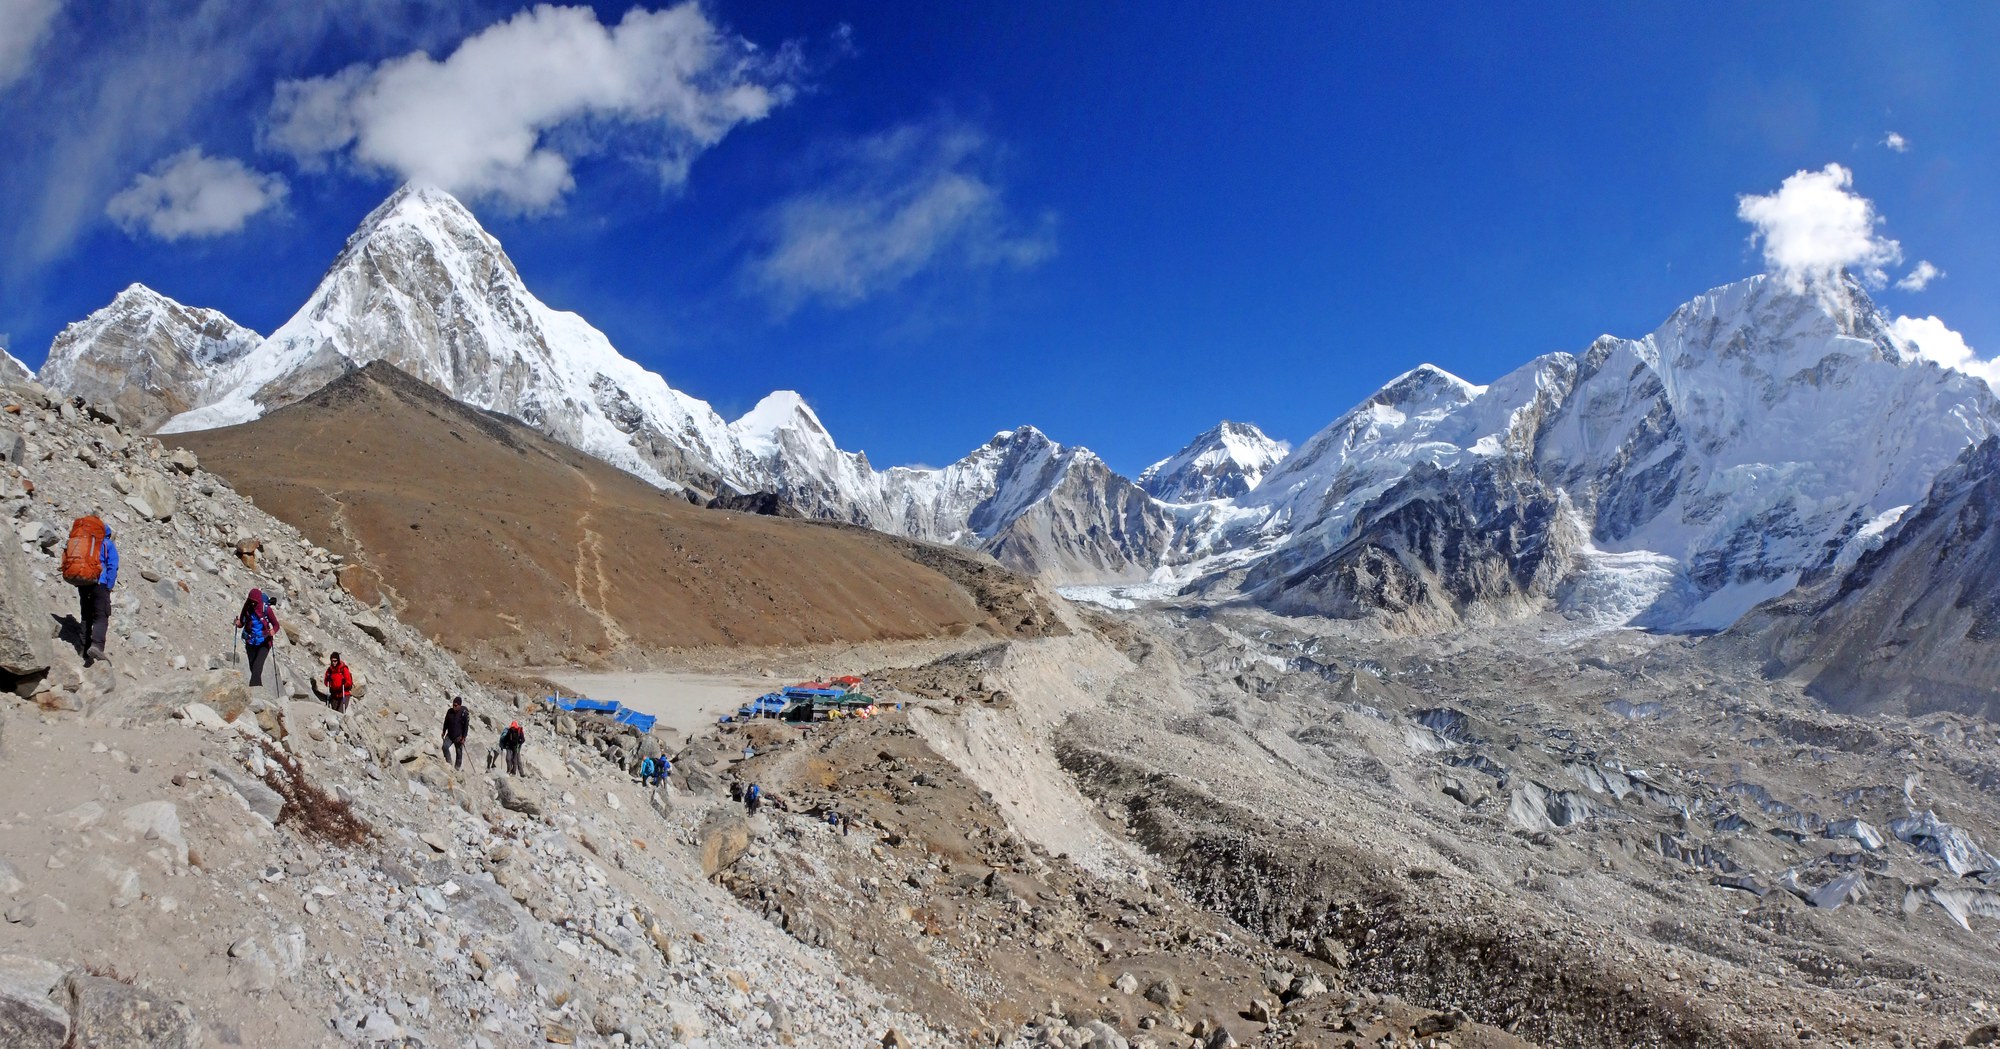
457, 723
339, 683
94, 603
259, 625
510, 742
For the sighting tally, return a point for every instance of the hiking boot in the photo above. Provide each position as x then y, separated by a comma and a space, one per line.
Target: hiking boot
93, 654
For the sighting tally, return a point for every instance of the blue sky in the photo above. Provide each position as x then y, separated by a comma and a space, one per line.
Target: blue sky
1120, 223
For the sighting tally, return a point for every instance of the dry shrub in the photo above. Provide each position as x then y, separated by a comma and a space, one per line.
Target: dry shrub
309, 808
107, 972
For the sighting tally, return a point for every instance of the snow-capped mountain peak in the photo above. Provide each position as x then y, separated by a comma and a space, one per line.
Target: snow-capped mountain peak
422, 285
1225, 462
761, 429
144, 356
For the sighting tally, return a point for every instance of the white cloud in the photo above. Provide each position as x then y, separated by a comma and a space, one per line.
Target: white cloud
192, 194
484, 122
150, 77
1813, 227
23, 24
1920, 276
1935, 342
896, 203
1896, 142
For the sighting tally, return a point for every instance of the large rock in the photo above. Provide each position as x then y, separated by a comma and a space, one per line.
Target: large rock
152, 496
514, 799
725, 837
30, 1017
260, 797
371, 624
113, 1015
25, 649
159, 821
222, 691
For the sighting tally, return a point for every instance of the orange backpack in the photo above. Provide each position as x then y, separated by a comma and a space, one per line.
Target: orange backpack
83, 558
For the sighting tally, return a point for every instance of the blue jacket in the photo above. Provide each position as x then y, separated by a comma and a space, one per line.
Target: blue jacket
109, 577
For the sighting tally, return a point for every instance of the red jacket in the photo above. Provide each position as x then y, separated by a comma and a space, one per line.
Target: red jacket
339, 680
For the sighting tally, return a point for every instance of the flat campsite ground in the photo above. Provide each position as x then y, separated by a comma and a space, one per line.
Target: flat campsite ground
684, 702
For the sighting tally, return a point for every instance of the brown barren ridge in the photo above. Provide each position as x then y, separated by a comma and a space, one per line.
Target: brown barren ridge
508, 546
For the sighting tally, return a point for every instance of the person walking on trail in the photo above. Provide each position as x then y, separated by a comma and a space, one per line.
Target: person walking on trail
339, 683
753, 798
510, 743
259, 625
90, 563
457, 724
649, 771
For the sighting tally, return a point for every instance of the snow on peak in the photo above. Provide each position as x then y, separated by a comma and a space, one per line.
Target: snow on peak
779, 413
423, 286
1225, 462
145, 356
1426, 383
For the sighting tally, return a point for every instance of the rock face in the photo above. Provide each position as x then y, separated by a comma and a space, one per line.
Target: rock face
1439, 547
146, 358
1914, 623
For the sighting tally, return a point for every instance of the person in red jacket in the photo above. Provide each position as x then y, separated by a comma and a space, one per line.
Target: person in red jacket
339, 683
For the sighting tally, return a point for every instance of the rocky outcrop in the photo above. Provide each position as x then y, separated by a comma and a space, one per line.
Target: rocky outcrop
1914, 624
146, 358
1436, 548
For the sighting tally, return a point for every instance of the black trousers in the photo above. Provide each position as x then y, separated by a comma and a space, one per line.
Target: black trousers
257, 654
513, 761
94, 613
455, 750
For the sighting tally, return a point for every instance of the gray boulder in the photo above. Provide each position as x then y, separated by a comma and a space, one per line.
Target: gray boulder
30, 1017
26, 652
261, 798
152, 497
222, 691
111, 1015
370, 624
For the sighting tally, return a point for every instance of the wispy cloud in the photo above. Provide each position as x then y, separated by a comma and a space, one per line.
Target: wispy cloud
24, 24
1920, 276
1934, 341
99, 107
482, 122
192, 194
1896, 142
1813, 227
892, 205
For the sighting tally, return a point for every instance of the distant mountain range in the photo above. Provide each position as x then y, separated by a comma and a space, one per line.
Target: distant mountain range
1761, 436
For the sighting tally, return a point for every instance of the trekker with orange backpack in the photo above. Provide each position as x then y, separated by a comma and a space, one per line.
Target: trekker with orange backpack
90, 563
